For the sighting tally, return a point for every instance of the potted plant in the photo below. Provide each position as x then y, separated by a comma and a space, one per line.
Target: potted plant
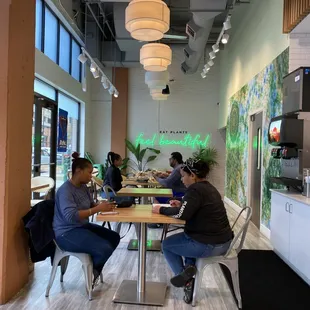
208, 154
141, 157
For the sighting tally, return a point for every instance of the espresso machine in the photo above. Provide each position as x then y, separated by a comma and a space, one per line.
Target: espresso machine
290, 132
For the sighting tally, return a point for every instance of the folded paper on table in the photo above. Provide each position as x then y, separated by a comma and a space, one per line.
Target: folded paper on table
162, 204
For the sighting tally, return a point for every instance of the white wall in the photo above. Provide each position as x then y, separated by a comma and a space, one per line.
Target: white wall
255, 40
191, 106
100, 120
300, 45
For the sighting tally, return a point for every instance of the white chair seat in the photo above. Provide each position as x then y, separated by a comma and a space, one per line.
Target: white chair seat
63, 257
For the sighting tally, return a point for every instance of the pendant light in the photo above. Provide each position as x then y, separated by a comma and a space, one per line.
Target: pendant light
155, 56
147, 20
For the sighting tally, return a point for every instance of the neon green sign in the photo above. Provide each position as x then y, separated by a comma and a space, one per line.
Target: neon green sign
188, 140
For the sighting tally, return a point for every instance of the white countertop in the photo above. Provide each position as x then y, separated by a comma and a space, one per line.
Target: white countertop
292, 195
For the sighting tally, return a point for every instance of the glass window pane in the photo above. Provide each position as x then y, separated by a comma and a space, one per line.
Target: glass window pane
50, 35
64, 159
76, 51
44, 89
39, 25
64, 49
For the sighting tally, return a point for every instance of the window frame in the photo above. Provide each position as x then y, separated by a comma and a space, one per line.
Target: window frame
59, 23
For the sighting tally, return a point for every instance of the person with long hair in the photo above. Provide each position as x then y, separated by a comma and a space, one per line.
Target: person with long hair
207, 231
114, 179
73, 207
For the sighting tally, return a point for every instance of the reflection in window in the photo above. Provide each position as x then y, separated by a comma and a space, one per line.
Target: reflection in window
50, 35
64, 159
39, 25
64, 49
75, 64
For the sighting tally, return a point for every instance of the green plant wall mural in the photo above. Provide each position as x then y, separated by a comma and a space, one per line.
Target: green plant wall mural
263, 92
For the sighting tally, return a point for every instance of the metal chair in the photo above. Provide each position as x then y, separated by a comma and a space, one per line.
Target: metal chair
230, 259
41, 180
62, 257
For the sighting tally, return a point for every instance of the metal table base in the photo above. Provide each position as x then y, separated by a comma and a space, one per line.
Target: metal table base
151, 245
141, 292
154, 294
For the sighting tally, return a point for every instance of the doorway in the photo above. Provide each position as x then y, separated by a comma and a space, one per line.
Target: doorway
44, 126
256, 124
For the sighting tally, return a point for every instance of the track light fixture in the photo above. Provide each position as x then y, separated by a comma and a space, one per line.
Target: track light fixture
93, 67
212, 55
225, 38
215, 48
203, 75
97, 72
211, 63
82, 58
227, 23
111, 90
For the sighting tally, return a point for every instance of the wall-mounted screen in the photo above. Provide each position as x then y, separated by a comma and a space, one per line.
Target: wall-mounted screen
274, 132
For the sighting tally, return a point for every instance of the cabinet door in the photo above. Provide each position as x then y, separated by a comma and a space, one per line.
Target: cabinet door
300, 237
280, 224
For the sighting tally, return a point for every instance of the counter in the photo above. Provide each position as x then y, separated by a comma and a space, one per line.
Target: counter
297, 196
290, 230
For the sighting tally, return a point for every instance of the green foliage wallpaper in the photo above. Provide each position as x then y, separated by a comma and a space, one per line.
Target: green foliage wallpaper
264, 92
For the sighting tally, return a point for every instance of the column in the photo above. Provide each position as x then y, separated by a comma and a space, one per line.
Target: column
17, 31
119, 112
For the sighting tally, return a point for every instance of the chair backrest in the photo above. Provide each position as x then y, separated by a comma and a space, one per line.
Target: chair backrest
241, 233
107, 189
97, 181
41, 180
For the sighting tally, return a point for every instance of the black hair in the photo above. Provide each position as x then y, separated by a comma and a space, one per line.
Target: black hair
79, 162
177, 156
199, 167
112, 157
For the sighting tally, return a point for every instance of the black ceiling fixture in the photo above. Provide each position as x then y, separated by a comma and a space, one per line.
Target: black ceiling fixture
166, 91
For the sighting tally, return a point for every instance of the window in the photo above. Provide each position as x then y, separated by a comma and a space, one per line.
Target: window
64, 159
44, 89
56, 42
39, 24
64, 49
75, 64
50, 35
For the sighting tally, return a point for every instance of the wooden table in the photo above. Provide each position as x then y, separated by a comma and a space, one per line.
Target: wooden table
140, 292
155, 245
143, 184
42, 186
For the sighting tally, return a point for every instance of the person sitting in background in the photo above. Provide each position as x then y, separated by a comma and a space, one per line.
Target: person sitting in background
114, 179
73, 206
207, 230
172, 180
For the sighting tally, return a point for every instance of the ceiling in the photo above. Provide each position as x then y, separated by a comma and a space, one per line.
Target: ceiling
108, 40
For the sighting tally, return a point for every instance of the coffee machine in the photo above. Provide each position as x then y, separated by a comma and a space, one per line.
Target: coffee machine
290, 132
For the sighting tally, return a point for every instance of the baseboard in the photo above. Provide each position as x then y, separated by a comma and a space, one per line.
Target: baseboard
265, 231
234, 206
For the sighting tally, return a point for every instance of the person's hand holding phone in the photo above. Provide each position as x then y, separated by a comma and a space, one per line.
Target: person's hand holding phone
175, 203
106, 206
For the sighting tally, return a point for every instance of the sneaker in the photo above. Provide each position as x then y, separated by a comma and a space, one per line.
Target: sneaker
156, 226
181, 279
189, 291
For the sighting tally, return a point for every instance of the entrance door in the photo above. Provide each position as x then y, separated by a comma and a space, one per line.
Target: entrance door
44, 137
256, 163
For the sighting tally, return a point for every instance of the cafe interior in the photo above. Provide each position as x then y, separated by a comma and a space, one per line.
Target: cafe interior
217, 81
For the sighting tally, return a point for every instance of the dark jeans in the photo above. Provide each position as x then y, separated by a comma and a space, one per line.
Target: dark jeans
92, 239
181, 245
